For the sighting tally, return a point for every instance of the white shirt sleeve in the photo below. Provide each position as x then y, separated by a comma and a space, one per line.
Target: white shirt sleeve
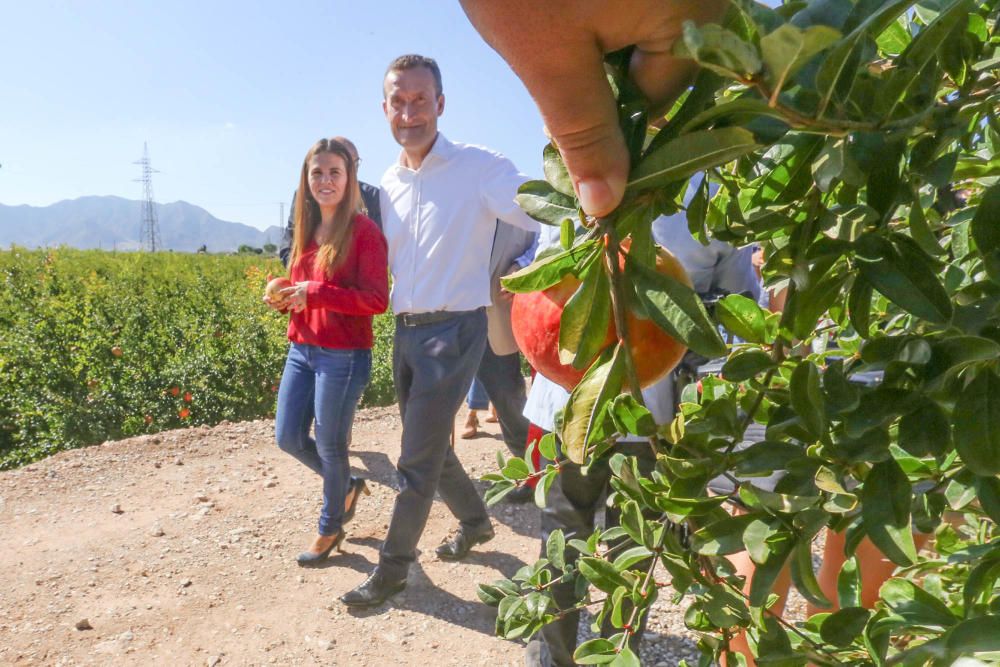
501, 179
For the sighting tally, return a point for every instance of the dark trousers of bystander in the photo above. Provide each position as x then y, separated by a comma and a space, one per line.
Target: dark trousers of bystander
433, 365
501, 376
571, 505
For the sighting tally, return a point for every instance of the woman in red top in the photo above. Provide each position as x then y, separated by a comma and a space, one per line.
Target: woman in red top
340, 280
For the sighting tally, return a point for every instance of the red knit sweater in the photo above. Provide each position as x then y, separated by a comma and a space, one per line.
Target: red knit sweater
339, 308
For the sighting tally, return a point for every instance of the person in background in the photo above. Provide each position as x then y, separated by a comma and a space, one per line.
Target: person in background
338, 263
499, 371
575, 497
440, 203
477, 401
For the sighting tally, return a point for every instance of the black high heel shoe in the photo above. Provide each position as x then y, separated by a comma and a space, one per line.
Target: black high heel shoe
357, 487
310, 558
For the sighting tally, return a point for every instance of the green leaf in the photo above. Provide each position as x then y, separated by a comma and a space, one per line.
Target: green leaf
921, 232
904, 276
675, 308
743, 317
988, 494
598, 386
583, 326
687, 154
734, 112
804, 577
814, 301
841, 395
632, 418
722, 537
627, 658
925, 431
547, 447
555, 171
516, 468
982, 580
697, 209
555, 549
924, 48
788, 48
859, 306
985, 224
543, 203
766, 574
567, 234
916, 606
719, 50
767, 456
544, 273
807, 399
885, 509
787, 170
595, 652
976, 424
849, 584
975, 635
745, 365
837, 73
544, 484
830, 164
602, 574
843, 626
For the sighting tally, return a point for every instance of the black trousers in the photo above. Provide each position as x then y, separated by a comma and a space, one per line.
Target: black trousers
502, 379
572, 505
433, 365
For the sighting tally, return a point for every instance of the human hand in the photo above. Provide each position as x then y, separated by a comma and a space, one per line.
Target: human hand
557, 48
295, 296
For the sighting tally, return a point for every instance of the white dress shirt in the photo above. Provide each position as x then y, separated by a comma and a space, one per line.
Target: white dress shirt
440, 220
716, 265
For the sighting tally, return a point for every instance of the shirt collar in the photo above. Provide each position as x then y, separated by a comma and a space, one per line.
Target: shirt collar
442, 149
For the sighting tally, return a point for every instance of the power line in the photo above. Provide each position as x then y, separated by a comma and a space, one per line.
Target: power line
149, 228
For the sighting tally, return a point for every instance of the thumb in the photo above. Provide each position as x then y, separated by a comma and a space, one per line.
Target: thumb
580, 116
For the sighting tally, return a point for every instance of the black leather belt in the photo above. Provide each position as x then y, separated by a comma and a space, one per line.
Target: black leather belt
422, 319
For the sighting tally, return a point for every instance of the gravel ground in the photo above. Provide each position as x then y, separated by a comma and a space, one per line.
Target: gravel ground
179, 549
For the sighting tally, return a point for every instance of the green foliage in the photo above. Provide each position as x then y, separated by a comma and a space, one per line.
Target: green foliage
856, 142
98, 346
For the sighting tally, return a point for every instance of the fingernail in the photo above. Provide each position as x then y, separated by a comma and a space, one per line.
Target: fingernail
597, 197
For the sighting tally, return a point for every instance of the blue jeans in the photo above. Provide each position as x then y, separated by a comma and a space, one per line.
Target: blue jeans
321, 387
477, 398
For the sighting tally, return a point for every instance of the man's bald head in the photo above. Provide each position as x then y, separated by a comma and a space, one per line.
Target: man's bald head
349, 145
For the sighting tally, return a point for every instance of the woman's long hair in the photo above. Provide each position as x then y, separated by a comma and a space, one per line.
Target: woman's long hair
333, 250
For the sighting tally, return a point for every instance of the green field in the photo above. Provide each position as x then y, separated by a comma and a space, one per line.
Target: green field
97, 346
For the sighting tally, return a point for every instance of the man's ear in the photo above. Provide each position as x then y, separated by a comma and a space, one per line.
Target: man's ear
385, 107
440, 109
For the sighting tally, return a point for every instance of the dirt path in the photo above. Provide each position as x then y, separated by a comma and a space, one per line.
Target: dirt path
179, 549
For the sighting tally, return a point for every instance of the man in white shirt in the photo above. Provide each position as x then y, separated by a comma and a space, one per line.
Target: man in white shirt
439, 203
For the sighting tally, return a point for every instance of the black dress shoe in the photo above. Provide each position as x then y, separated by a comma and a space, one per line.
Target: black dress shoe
461, 543
375, 590
521, 494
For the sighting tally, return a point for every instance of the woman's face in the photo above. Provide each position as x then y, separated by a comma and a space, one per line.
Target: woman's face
327, 179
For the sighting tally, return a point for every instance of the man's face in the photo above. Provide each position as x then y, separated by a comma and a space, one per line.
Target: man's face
412, 107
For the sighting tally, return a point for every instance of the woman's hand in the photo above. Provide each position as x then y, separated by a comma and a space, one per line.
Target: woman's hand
295, 296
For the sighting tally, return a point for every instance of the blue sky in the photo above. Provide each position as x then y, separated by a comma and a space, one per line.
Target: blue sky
229, 95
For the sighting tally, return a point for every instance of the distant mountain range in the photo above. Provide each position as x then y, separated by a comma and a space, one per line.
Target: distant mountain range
113, 223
